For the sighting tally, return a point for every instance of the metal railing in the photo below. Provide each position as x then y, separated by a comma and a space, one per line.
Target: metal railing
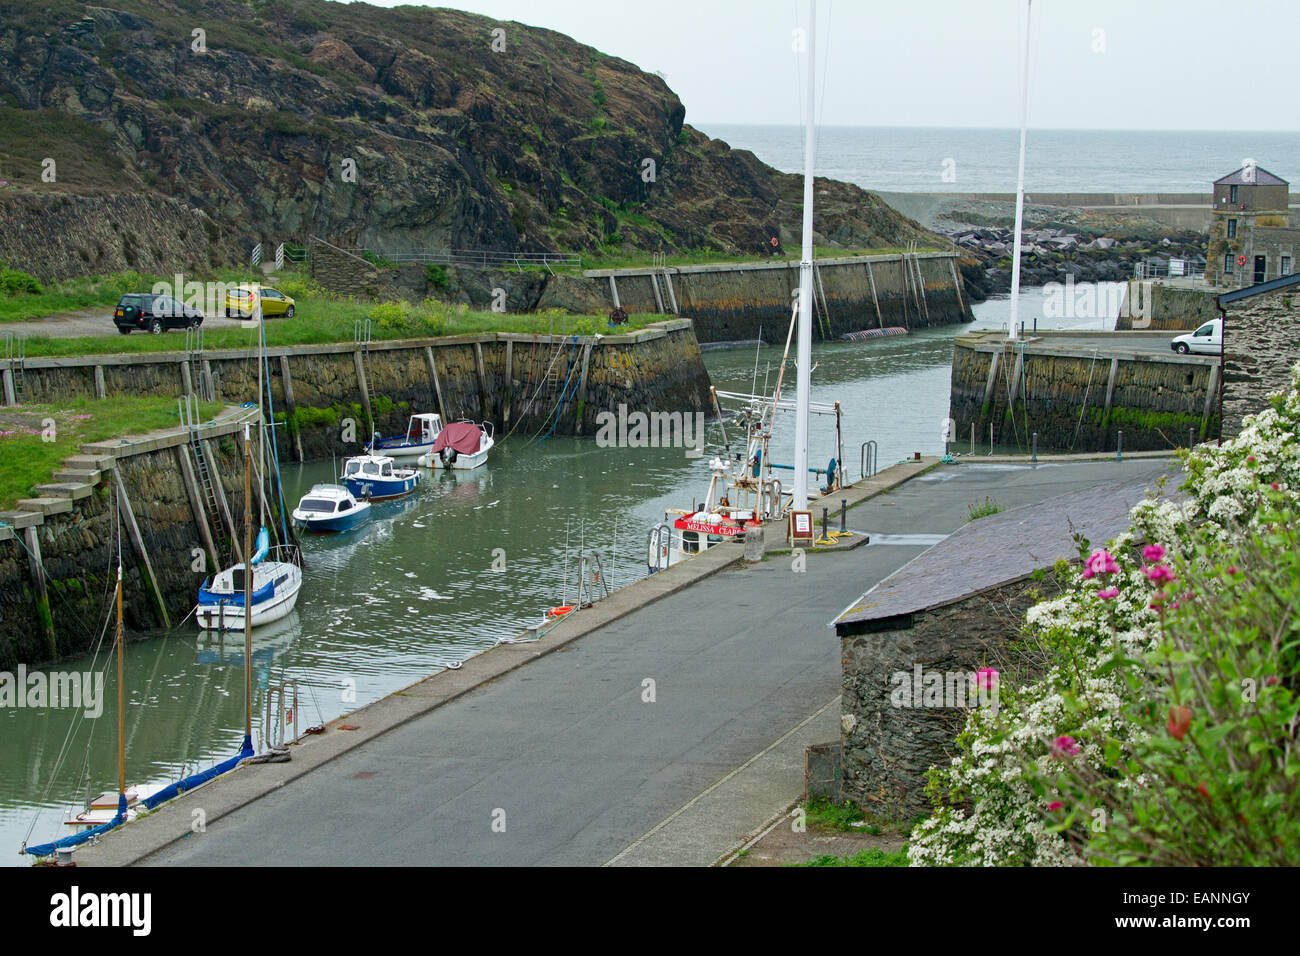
278, 720
480, 258
867, 460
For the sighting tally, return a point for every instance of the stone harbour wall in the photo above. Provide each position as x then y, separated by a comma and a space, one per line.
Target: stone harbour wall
76, 540
497, 377
1078, 401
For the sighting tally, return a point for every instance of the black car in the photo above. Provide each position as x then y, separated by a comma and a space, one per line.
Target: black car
146, 312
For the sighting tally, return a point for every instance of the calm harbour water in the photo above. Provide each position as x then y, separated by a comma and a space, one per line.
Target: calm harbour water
414, 590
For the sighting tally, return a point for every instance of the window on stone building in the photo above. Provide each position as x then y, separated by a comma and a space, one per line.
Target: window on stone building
1284, 266
1232, 229
1227, 264
1232, 194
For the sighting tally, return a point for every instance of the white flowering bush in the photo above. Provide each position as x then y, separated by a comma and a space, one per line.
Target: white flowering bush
1172, 619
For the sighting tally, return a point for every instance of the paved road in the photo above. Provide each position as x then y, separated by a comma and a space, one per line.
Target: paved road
566, 747
1142, 344
97, 322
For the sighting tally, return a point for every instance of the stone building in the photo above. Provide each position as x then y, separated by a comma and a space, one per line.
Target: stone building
1251, 239
913, 646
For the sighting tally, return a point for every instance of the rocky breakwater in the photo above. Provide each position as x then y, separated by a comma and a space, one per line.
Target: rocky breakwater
1051, 254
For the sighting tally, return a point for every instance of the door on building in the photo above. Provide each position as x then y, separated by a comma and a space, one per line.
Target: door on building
1260, 263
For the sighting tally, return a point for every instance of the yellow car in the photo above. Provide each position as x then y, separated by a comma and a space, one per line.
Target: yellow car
239, 303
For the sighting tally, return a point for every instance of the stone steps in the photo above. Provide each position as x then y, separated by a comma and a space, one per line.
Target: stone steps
46, 505
79, 475
72, 490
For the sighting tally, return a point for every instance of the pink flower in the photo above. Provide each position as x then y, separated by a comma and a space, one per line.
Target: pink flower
1159, 573
1153, 552
1274, 485
1233, 570
1055, 805
1108, 593
986, 678
1270, 680
1250, 458
1101, 562
1066, 745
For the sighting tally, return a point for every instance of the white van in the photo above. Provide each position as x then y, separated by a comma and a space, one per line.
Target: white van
1208, 338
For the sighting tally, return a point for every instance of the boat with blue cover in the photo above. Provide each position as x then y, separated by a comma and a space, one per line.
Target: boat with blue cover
330, 508
377, 477
277, 579
420, 435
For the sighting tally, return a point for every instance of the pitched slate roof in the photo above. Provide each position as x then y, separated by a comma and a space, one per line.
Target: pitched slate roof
1262, 178
999, 549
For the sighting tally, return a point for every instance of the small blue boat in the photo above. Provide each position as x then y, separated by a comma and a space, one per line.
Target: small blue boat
330, 508
376, 478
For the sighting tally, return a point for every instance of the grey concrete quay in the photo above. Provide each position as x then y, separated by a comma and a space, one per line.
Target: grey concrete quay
575, 758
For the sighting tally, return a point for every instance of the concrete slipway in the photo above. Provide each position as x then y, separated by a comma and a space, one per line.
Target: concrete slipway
565, 751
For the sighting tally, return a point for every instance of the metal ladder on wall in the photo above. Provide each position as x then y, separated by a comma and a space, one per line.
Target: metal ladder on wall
659, 269
362, 335
16, 355
918, 282
189, 413
194, 358
819, 291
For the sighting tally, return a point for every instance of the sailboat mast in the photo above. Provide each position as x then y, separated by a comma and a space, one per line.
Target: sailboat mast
803, 354
1020, 183
121, 682
248, 586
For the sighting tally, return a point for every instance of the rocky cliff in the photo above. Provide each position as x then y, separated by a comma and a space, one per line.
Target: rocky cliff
399, 129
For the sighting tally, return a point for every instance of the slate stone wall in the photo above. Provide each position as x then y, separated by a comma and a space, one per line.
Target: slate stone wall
888, 747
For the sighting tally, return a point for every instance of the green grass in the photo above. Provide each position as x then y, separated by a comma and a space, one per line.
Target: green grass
872, 856
31, 460
321, 319
825, 815
71, 295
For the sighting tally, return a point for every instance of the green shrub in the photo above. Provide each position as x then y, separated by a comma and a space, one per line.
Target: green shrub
436, 276
13, 282
1160, 727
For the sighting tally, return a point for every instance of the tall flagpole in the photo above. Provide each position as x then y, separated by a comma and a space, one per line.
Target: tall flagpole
121, 675
248, 587
1020, 182
803, 354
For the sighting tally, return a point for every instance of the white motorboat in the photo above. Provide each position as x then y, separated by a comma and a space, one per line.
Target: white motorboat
377, 478
418, 440
461, 446
330, 508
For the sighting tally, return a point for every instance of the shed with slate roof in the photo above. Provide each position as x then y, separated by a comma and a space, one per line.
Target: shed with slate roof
911, 646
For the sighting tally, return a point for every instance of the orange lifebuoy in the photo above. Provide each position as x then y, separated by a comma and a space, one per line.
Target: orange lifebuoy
1241, 260
775, 242
562, 610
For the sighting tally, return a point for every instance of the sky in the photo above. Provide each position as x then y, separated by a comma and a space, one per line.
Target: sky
1095, 64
